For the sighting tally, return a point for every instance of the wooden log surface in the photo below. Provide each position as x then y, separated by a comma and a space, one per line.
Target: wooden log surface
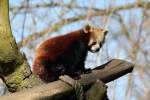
58, 89
107, 72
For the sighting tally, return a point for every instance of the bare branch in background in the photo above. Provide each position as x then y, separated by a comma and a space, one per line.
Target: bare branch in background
97, 12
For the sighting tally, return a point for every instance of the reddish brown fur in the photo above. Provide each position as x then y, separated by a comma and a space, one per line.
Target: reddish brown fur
61, 55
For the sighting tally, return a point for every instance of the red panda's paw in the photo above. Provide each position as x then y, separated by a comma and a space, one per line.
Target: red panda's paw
75, 75
58, 70
86, 71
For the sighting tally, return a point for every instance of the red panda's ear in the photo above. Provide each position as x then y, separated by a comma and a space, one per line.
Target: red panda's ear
87, 28
105, 32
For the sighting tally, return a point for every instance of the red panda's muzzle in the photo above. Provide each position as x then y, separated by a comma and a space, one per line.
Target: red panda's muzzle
93, 50
95, 46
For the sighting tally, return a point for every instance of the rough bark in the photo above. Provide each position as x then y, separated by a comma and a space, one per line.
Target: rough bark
13, 65
53, 91
60, 89
107, 72
98, 91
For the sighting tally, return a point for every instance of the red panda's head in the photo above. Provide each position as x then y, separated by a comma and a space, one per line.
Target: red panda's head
97, 37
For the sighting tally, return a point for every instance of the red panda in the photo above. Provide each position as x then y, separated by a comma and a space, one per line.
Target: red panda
66, 54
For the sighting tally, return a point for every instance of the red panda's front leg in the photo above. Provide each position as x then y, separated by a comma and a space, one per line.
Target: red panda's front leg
54, 71
80, 67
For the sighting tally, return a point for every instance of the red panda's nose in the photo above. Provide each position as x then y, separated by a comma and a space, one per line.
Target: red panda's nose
97, 50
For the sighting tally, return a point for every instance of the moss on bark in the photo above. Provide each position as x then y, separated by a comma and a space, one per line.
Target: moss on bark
13, 65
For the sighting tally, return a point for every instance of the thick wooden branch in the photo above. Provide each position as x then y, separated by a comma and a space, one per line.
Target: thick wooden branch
58, 89
107, 72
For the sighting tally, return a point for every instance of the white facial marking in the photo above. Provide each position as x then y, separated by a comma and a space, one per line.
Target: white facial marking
90, 42
95, 47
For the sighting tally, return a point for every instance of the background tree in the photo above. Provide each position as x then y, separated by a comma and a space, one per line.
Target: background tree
10, 57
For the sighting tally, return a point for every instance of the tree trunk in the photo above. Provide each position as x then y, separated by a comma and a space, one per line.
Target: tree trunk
13, 65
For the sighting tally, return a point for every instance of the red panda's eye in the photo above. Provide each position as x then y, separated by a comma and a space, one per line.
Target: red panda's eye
93, 43
105, 32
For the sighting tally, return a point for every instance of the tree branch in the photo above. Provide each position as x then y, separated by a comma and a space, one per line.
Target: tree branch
52, 4
58, 89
